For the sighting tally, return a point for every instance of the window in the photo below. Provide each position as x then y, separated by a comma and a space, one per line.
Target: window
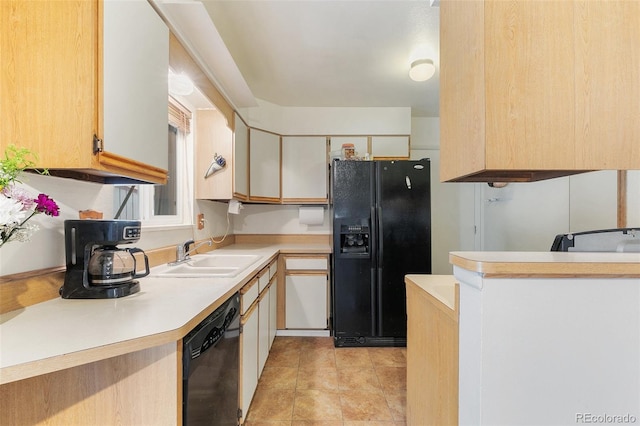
169, 204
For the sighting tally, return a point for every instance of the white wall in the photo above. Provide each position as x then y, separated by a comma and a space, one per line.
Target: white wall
328, 121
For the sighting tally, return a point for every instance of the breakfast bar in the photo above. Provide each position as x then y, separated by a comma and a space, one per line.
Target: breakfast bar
539, 338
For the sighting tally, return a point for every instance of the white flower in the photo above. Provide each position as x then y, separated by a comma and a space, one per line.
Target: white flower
11, 211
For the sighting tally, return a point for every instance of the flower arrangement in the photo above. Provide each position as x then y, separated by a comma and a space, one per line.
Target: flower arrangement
17, 206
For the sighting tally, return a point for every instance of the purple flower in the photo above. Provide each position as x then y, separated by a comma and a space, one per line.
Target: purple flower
46, 205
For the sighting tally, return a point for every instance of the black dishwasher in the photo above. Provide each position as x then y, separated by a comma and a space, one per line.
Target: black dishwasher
210, 368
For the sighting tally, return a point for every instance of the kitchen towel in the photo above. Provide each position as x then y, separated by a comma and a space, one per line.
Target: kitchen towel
311, 215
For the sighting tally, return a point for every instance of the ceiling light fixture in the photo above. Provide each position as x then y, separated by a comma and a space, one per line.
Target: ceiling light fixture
180, 85
422, 70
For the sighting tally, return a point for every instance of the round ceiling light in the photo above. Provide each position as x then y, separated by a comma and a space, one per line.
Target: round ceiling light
422, 70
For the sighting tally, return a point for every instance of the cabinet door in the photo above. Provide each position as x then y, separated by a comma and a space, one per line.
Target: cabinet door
306, 301
304, 169
248, 358
273, 310
135, 82
264, 166
240, 159
263, 330
48, 80
212, 136
390, 147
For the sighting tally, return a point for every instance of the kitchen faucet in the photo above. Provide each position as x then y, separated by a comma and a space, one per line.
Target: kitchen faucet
183, 252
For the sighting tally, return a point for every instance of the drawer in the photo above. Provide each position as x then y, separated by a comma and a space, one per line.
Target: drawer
248, 294
263, 279
313, 263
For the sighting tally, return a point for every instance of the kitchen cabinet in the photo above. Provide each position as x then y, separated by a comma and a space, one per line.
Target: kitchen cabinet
248, 344
240, 159
212, 136
92, 68
390, 147
535, 90
258, 320
264, 166
263, 320
304, 169
432, 350
306, 292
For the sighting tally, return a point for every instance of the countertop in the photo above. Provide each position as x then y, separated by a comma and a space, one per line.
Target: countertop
441, 287
63, 333
548, 264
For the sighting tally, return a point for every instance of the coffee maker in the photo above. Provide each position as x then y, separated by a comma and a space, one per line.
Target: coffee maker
96, 267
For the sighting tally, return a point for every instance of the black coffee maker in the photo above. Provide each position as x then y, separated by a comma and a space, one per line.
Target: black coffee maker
96, 267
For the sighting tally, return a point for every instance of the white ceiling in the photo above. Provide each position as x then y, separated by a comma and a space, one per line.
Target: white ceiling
331, 53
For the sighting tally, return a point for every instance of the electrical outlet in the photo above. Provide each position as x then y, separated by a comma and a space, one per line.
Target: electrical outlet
201, 221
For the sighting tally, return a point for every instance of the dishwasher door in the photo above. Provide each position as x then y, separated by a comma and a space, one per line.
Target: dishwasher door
210, 368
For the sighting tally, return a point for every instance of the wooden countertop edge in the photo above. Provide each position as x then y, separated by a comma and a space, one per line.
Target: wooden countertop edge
503, 269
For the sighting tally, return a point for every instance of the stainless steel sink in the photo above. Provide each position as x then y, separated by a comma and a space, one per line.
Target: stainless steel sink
208, 265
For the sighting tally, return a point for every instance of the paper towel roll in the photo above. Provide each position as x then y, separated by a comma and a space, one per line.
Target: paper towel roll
311, 215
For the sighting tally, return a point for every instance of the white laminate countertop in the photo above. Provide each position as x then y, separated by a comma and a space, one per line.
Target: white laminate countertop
548, 264
63, 333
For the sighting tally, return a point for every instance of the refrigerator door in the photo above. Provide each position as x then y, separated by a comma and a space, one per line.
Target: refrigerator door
404, 237
353, 272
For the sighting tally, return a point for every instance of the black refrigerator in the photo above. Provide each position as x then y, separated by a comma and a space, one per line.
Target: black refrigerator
381, 232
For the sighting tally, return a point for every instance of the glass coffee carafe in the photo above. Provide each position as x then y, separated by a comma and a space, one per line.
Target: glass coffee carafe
110, 265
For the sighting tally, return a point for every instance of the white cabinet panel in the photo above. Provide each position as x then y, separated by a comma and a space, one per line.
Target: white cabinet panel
304, 168
249, 294
273, 310
308, 263
306, 301
240, 159
263, 331
249, 359
135, 78
264, 166
390, 147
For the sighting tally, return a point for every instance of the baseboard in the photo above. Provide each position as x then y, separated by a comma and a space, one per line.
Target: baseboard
305, 333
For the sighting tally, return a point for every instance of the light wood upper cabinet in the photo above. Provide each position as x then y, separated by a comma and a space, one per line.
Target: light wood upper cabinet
264, 166
533, 90
57, 90
213, 136
304, 169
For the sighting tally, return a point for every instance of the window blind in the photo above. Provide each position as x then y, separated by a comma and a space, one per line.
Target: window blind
179, 115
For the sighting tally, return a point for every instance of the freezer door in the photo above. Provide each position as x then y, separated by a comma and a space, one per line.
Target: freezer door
353, 274
404, 237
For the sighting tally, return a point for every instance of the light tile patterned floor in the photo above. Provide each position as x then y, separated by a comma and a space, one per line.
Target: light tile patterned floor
308, 382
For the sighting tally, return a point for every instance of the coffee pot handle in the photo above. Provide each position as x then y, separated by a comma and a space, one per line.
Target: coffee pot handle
146, 263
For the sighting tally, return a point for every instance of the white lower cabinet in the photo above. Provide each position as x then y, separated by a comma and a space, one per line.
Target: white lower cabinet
306, 301
273, 310
248, 358
263, 329
258, 305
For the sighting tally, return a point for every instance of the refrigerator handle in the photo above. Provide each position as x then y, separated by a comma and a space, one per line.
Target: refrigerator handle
378, 234
378, 263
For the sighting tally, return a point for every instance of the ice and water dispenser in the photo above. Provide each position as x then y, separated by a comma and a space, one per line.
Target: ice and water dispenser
354, 239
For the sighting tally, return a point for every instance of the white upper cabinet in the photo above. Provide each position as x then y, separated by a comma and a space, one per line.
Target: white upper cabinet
304, 169
135, 89
264, 166
383, 147
240, 159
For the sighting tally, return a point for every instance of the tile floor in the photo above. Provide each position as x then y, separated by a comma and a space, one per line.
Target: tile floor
308, 382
